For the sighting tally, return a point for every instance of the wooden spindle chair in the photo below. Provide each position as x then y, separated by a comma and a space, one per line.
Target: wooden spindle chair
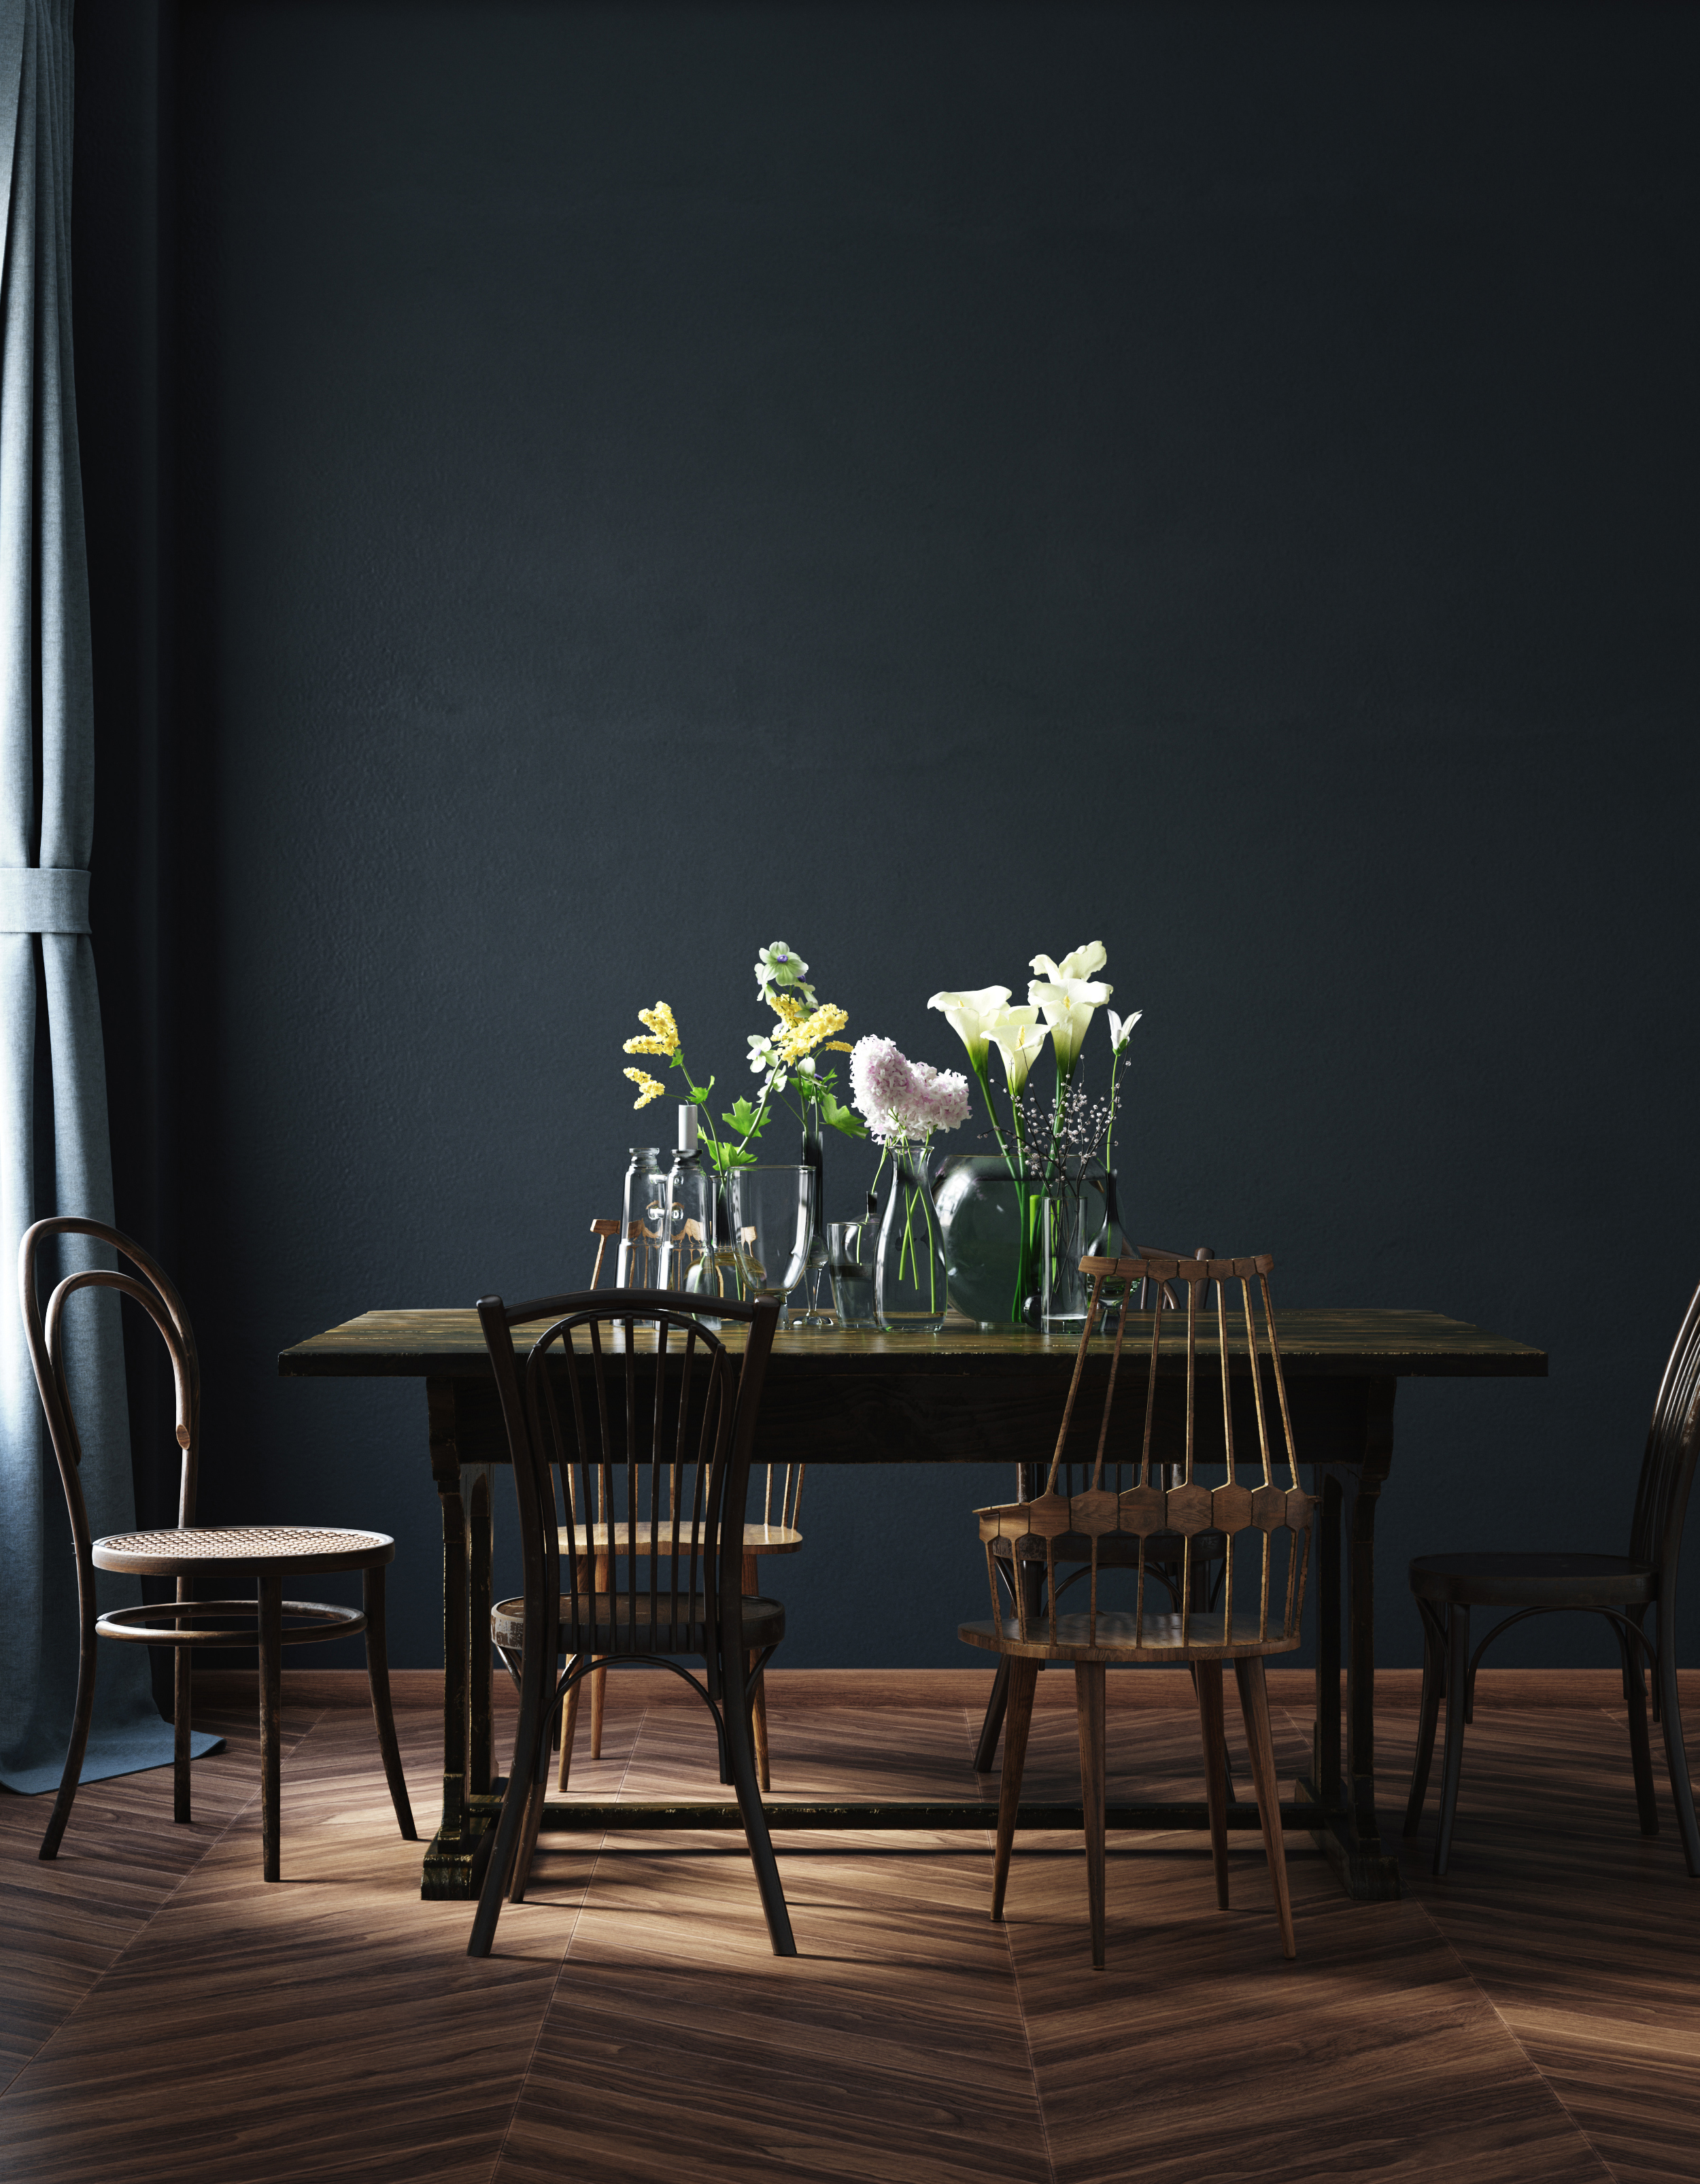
1164, 1559
781, 1491
1260, 1514
636, 1408
264, 1554
1622, 1588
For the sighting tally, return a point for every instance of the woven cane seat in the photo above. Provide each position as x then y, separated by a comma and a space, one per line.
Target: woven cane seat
251, 1546
758, 1539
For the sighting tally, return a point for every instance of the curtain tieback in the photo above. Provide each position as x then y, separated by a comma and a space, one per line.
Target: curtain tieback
33, 900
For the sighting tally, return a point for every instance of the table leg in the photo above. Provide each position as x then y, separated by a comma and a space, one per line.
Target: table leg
1352, 1836
480, 1531
448, 1856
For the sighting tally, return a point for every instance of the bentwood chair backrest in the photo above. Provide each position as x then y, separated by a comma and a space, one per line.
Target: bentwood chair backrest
44, 1331
645, 1415
1259, 1515
1667, 1468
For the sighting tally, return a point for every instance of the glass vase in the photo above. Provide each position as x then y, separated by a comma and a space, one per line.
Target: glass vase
909, 1279
1080, 1220
990, 1220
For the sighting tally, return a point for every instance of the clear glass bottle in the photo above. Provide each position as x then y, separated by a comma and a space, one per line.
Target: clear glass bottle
687, 1254
643, 1221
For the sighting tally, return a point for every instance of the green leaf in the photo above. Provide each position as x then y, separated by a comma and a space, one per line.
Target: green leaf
724, 1157
742, 1118
841, 1118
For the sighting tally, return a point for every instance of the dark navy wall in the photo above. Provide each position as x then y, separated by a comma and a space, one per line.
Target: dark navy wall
931, 484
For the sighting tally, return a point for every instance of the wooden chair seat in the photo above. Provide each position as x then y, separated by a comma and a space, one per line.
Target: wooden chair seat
607, 1623
593, 1539
1554, 1581
265, 1553
1115, 1635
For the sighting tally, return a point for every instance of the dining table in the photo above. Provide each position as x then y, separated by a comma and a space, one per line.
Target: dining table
963, 1395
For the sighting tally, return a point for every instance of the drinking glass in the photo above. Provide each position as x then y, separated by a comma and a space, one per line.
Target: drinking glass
850, 1249
770, 1216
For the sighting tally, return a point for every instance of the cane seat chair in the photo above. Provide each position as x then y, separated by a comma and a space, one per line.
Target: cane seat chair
781, 1490
1025, 1563
1622, 1588
1259, 1513
640, 1409
188, 1552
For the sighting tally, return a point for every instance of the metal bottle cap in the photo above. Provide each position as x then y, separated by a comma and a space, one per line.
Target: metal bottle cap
688, 1122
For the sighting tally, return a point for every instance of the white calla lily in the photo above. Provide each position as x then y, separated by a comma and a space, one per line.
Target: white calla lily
970, 1016
1069, 1005
1080, 964
1020, 1039
1121, 1029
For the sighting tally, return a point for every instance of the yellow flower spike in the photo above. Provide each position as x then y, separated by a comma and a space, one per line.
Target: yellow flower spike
659, 1023
649, 1044
648, 1088
788, 1008
838, 1046
804, 1035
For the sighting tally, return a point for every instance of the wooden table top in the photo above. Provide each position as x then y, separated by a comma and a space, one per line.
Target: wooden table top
446, 1343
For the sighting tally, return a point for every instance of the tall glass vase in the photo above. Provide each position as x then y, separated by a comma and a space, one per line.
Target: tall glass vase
909, 1279
1081, 1219
815, 1274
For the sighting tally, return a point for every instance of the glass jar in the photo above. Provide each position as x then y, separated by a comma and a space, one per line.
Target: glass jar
643, 1221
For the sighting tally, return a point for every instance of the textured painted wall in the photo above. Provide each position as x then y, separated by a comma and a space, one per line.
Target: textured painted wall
931, 484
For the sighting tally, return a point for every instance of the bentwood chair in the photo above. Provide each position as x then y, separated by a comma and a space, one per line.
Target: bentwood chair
1622, 1588
776, 1533
1165, 1560
263, 1553
1259, 1515
643, 1410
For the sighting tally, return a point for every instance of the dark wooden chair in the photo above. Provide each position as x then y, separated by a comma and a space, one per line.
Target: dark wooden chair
1259, 1515
263, 1553
642, 1412
1164, 1559
776, 1533
1622, 1588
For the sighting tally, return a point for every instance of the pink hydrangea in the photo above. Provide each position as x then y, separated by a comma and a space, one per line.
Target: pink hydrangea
903, 1101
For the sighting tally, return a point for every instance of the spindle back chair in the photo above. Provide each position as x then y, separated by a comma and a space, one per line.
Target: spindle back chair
1257, 1520
1022, 1564
263, 1552
1622, 1588
636, 1409
776, 1533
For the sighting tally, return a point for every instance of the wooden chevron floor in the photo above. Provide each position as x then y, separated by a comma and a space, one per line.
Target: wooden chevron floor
1535, 2018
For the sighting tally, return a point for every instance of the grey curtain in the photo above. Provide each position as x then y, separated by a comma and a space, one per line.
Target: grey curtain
54, 1151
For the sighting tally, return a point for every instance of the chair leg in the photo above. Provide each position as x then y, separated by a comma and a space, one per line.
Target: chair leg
598, 1677
377, 1676
1254, 1705
1429, 1713
741, 1755
270, 1723
758, 1695
1207, 1678
1088, 1708
529, 1832
182, 1717
534, 1728
569, 1727
1670, 1720
82, 1715
1639, 1749
1457, 1697
1023, 1679
986, 1751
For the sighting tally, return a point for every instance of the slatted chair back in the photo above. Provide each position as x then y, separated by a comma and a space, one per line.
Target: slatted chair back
782, 1484
1259, 1515
639, 1411
151, 1288
1667, 1467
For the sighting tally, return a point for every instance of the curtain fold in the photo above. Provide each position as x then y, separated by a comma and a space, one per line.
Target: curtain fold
55, 1154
